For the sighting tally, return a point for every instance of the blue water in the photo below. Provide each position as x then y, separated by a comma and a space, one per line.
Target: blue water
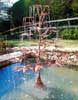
10, 79
61, 83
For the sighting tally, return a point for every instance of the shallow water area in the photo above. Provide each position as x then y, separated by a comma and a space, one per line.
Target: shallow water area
61, 84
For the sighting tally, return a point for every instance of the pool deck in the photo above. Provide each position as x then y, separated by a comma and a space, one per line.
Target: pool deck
9, 56
18, 53
63, 49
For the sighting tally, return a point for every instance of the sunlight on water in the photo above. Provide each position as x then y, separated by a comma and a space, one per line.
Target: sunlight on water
61, 84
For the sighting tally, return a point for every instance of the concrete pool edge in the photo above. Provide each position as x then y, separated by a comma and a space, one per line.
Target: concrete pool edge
5, 59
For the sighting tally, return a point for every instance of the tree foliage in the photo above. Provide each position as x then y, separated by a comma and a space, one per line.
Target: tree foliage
59, 9
4, 25
75, 7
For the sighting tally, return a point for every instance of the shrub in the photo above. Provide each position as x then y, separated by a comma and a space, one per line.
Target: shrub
69, 33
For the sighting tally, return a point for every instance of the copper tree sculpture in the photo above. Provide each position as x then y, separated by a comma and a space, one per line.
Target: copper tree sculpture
41, 14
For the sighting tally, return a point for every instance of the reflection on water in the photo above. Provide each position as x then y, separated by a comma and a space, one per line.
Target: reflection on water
61, 84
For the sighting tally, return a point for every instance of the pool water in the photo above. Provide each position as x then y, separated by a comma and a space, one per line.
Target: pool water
61, 84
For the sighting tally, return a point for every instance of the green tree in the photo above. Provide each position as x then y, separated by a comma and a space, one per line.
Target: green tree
75, 7
4, 25
21, 9
59, 8
17, 12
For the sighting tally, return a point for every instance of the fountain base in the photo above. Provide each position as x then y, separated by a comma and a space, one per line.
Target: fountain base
39, 83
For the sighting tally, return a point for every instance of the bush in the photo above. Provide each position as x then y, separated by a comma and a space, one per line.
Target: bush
2, 46
75, 34
69, 33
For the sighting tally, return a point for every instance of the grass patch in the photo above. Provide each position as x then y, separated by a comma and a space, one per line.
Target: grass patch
68, 43
22, 43
65, 43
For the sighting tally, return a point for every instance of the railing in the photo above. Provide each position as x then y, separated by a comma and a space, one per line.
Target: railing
47, 22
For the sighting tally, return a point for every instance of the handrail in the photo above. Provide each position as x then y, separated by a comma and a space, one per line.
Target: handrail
52, 21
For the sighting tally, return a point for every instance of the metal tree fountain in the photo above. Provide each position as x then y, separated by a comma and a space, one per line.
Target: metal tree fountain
39, 15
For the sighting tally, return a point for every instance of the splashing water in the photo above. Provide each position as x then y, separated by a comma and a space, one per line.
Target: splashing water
61, 84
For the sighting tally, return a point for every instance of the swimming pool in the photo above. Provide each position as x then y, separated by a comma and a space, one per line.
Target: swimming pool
61, 83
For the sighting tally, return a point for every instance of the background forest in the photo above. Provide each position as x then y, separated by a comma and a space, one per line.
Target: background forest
60, 9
